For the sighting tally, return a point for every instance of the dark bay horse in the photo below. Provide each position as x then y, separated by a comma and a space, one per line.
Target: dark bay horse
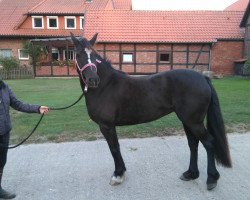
114, 98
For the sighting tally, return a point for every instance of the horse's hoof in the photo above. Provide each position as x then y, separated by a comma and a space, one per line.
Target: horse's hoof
188, 176
116, 180
211, 186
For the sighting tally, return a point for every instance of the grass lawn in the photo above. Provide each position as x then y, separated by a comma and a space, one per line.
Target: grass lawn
74, 123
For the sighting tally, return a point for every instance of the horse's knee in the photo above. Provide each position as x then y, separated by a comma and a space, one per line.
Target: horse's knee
208, 142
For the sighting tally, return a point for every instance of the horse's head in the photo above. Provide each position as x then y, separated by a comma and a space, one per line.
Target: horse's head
86, 61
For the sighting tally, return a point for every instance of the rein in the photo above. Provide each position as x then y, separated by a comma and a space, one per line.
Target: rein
39, 121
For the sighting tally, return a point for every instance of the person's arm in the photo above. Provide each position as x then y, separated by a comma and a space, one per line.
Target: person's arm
23, 107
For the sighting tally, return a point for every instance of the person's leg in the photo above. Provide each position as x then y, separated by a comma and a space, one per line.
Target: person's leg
4, 140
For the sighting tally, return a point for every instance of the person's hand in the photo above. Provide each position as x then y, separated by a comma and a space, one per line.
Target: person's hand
44, 109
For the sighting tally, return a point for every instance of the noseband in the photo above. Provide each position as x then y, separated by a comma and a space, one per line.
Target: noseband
90, 64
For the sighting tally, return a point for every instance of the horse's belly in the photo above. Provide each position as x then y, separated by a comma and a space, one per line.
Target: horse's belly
142, 116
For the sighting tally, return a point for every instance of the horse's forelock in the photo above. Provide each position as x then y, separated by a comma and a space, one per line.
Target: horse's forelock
86, 44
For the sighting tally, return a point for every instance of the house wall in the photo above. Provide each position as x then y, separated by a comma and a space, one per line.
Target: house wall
61, 23
147, 60
146, 57
224, 53
14, 45
247, 38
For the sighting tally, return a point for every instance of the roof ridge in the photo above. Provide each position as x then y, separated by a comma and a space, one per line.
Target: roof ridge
29, 11
169, 11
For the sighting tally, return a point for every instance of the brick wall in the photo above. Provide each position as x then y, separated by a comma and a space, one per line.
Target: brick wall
146, 58
14, 45
224, 53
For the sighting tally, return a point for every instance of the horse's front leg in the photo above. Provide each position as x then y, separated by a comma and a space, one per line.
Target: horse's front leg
111, 137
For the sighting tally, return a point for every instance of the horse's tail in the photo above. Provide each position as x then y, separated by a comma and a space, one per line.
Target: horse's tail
216, 128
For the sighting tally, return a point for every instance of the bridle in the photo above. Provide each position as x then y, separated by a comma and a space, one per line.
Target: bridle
89, 64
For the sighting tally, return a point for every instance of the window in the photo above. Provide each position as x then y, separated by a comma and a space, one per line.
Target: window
23, 55
6, 53
37, 22
52, 22
127, 57
164, 57
70, 22
81, 22
55, 54
71, 55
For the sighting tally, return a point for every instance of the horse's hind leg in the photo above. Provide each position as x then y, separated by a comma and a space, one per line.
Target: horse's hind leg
213, 174
111, 137
208, 142
193, 142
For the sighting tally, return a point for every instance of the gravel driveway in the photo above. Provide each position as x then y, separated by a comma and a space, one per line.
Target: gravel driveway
81, 171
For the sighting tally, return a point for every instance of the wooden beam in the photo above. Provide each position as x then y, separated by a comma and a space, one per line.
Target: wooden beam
196, 61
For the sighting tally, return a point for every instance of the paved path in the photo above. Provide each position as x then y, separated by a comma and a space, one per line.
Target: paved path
81, 171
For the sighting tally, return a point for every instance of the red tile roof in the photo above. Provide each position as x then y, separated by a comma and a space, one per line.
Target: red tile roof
163, 26
124, 25
67, 6
11, 13
14, 12
239, 5
122, 4
119, 5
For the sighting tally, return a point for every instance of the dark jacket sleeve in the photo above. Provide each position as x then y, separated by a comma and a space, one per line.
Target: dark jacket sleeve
18, 105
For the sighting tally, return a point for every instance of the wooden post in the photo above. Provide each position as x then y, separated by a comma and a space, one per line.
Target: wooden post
33, 59
134, 58
50, 58
67, 55
157, 58
187, 56
172, 56
120, 56
198, 56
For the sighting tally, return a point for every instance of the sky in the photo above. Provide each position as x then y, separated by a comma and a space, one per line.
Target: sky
181, 4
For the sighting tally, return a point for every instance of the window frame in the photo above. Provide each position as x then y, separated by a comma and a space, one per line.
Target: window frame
55, 51
57, 22
33, 22
128, 53
70, 50
82, 24
169, 56
65, 22
22, 58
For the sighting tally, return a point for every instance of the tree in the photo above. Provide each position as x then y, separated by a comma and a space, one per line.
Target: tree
36, 50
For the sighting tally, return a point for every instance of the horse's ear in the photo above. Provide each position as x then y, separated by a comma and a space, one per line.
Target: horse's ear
74, 39
93, 40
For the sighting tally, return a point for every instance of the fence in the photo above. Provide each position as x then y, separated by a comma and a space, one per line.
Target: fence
20, 73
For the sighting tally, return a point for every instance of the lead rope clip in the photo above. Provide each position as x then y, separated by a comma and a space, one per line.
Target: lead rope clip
86, 88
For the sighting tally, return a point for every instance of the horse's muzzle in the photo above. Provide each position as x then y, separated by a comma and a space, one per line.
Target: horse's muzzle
93, 82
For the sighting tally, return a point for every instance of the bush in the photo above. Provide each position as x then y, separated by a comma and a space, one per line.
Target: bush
247, 65
9, 63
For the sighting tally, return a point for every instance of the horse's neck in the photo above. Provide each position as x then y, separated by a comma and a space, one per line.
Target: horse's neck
107, 74
106, 71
